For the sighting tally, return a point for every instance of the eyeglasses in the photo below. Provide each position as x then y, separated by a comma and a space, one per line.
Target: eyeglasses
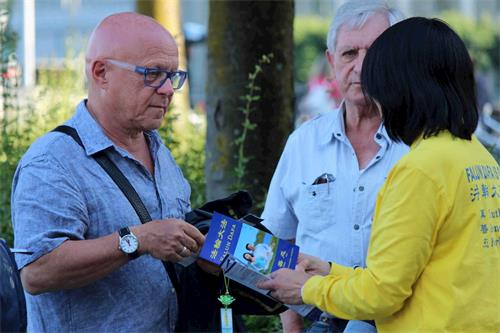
154, 77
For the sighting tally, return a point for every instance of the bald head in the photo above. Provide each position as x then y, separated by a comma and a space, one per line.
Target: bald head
128, 37
117, 95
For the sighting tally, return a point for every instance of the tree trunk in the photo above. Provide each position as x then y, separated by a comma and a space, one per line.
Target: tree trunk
168, 14
239, 34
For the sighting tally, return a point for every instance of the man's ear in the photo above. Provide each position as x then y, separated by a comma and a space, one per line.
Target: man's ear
330, 58
98, 72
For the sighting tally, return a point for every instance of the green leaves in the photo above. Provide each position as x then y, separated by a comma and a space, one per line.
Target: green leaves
479, 36
250, 97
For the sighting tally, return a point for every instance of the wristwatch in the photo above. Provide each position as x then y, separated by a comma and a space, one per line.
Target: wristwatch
129, 244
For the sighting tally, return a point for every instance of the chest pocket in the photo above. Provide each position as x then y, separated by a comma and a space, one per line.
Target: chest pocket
319, 207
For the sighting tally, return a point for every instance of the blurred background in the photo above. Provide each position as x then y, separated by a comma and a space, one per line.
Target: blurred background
256, 71
59, 28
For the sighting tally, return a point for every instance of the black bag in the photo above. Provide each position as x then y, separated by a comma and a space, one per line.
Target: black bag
12, 302
199, 309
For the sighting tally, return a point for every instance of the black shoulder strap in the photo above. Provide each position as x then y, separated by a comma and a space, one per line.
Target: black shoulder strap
128, 190
112, 170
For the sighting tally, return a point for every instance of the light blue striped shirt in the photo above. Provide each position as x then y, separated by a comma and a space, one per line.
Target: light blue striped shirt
60, 193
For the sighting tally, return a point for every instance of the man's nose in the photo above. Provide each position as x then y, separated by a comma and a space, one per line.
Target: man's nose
166, 88
358, 65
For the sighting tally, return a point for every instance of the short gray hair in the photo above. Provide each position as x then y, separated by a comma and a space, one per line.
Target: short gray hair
356, 13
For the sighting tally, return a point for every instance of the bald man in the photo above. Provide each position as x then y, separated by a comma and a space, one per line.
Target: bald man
94, 267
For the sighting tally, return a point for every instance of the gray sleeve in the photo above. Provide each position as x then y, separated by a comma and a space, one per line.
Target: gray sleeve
47, 208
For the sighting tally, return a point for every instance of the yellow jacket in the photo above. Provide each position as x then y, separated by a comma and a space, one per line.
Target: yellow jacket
434, 256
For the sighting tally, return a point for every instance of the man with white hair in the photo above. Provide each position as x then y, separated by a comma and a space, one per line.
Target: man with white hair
93, 266
323, 191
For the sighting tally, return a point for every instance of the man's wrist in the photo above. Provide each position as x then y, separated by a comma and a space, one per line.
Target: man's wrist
128, 243
138, 231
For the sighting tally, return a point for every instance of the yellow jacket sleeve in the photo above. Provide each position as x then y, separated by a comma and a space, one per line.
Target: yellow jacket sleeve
404, 230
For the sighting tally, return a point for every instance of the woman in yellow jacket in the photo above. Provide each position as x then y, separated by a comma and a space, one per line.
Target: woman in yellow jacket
434, 256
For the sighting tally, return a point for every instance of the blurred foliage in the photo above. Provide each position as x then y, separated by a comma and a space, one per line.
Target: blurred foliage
482, 38
262, 324
309, 34
15, 135
8, 36
28, 114
13, 140
188, 149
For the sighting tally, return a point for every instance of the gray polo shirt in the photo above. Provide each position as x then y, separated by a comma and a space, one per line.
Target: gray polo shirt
60, 193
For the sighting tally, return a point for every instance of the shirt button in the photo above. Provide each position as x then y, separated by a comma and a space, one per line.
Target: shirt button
378, 136
361, 188
377, 157
338, 134
172, 290
314, 193
356, 227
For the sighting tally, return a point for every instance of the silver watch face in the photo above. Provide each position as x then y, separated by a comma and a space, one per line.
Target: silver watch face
129, 244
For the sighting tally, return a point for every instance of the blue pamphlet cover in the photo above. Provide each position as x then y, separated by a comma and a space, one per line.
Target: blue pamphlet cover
258, 250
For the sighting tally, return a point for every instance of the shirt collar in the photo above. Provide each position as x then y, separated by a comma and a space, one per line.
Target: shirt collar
383, 133
93, 137
334, 128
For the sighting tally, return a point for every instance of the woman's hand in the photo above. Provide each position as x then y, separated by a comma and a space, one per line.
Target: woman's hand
313, 265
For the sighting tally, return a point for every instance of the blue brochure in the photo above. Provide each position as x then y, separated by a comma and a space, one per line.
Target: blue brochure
253, 248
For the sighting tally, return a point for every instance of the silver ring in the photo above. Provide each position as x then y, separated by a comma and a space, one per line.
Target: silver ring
183, 250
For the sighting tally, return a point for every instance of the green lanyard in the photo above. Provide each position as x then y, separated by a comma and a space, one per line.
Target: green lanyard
226, 299
226, 313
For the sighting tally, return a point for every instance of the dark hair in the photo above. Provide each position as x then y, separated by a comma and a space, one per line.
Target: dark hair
420, 72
